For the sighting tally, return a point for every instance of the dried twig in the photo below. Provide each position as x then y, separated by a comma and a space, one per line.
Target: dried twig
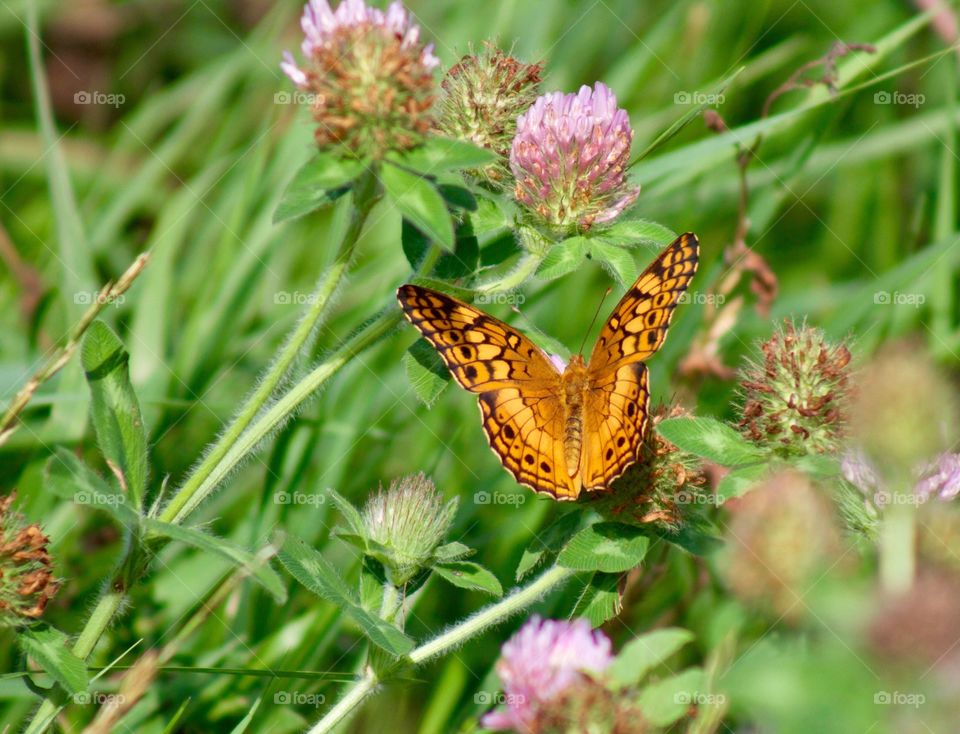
703, 357
107, 295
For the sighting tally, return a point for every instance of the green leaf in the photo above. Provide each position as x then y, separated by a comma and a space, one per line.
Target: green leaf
490, 217
564, 257
600, 599
115, 409
445, 154
372, 579
710, 439
605, 546
464, 294
666, 701
738, 482
259, 569
548, 543
618, 261
67, 476
638, 657
349, 512
415, 244
628, 232
50, 648
321, 181
469, 575
312, 570
697, 536
427, 373
465, 257
452, 551
417, 200
458, 196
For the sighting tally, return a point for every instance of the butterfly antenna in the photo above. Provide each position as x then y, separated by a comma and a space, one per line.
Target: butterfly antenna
596, 313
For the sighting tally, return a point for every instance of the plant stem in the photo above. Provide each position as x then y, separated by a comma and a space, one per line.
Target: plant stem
279, 411
446, 641
205, 477
515, 278
346, 705
282, 409
97, 623
897, 542
493, 614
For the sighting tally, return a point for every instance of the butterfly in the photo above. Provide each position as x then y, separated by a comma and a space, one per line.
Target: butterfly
560, 431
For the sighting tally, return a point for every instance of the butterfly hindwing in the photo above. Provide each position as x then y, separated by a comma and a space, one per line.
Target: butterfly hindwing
527, 434
615, 418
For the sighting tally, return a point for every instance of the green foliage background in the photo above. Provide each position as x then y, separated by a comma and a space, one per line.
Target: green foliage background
850, 199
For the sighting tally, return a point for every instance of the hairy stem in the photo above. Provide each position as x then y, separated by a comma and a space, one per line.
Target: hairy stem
98, 622
346, 705
447, 641
204, 478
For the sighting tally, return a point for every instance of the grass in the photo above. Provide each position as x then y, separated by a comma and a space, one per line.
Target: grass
850, 197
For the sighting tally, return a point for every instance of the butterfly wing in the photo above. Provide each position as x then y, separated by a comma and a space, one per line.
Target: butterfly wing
518, 387
617, 398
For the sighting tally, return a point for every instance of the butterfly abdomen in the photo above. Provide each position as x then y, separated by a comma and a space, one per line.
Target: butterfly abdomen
574, 382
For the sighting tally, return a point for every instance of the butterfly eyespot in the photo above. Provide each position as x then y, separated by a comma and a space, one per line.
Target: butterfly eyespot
621, 441
508, 432
631, 407
466, 352
609, 454
470, 371
545, 466
528, 458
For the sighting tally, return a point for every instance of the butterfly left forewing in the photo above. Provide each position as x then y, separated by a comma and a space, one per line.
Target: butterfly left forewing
518, 387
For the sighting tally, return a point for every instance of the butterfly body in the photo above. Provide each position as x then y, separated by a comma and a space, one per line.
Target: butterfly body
575, 385
560, 431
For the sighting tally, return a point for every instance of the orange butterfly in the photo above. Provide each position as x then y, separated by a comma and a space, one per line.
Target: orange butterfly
560, 432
